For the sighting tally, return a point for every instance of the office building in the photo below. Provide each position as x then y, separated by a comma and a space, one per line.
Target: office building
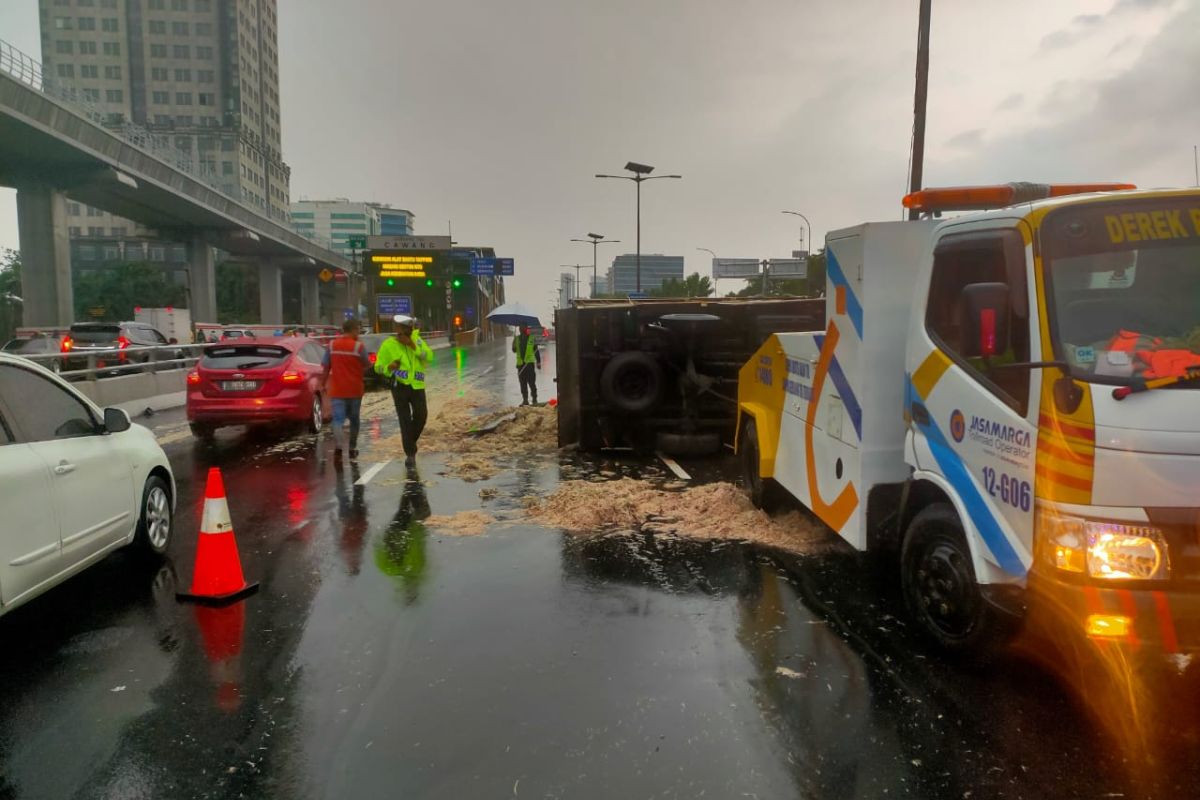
656, 269
393, 221
566, 289
201, 76
339, 220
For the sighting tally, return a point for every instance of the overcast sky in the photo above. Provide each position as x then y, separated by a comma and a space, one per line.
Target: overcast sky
497, 115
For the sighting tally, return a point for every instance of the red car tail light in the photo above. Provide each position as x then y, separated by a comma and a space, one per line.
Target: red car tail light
291, 376
193, 378
372, 356
122, 342
66, 345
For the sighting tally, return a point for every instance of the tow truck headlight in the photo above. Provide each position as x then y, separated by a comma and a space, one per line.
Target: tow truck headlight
1102, 549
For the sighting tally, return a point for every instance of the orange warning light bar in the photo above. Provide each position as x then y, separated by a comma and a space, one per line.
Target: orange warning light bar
982, 198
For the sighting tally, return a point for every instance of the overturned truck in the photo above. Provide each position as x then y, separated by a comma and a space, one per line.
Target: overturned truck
661, 375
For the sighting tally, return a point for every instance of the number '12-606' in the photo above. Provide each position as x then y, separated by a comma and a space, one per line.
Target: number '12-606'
1009, 488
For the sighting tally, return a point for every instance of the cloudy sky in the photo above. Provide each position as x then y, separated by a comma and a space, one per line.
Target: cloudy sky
496, 115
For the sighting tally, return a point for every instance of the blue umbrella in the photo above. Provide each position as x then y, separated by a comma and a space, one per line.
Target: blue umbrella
514, 314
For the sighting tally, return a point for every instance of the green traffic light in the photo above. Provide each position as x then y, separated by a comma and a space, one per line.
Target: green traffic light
457, 283
391, 282
429, 282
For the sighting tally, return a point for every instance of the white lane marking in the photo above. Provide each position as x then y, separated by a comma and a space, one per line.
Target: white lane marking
674, 466
371, 473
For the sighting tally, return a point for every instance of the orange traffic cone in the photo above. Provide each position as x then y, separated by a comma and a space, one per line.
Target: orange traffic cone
217, 578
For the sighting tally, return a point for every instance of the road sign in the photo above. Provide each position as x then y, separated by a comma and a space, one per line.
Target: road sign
483, 265
326, 275
408, 242
637, 295
97, 311
788, 268
505, 266
357, 243
390, 305
735, 267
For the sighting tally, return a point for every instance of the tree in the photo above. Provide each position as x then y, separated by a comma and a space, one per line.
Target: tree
10, 293
695, 285
237, 293
112, 293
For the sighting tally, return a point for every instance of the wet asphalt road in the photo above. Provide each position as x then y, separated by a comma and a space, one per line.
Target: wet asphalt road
383, 659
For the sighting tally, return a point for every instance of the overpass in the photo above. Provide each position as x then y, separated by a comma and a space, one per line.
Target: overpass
54, 146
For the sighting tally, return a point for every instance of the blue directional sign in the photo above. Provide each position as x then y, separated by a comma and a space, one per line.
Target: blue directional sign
390, 305
482, 265
504, 266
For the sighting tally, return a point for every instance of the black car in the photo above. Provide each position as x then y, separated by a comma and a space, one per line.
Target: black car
39, 345
120, 347
373, 341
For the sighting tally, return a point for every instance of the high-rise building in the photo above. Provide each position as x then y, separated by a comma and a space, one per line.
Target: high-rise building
394, 221
567, 290
656, 269
201, 76
340, 220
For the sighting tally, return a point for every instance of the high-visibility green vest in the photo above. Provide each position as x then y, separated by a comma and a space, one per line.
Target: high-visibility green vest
528, 357
413, 360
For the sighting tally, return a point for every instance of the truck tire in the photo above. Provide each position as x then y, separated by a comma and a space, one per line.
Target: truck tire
631, 382
765, 493
688, 444
940, 589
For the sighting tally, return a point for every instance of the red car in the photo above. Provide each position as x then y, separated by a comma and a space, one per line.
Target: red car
257, 381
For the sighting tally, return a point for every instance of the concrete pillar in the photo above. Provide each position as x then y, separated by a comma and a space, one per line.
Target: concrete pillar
310, 298
270, 294
45, 257
202, 281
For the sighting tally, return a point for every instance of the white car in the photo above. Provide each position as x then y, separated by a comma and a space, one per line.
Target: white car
76, 483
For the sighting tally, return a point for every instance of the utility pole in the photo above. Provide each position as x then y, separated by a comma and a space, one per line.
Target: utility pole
920, 100
1196, 161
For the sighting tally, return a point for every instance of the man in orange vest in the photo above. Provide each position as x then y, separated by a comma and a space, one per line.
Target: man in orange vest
344, 363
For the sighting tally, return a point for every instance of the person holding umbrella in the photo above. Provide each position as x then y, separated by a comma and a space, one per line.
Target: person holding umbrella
403, 360
528, 356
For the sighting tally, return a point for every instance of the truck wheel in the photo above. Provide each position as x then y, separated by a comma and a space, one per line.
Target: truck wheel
940, 590
631, 382
765, 493
688, 444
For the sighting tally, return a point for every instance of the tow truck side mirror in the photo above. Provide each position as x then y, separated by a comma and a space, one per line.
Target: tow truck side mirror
984, 322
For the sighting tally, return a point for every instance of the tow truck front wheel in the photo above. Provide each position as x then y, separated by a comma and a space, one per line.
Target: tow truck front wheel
939, 585
765, 493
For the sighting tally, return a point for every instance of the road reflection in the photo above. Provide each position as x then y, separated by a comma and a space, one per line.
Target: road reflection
400, 551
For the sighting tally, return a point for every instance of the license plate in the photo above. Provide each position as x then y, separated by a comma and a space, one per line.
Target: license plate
239, 386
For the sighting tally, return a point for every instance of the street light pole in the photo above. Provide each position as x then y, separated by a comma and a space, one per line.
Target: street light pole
641, 172
806, 222
595, 239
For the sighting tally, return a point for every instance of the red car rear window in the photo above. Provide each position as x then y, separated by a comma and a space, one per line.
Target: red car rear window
244, 356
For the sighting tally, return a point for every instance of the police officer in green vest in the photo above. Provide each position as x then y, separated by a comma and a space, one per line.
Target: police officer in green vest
529, 357
403, 359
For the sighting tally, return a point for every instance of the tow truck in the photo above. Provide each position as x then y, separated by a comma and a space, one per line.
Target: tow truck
1021, 431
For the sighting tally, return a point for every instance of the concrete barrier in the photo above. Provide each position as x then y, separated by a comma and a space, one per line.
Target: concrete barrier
128, 388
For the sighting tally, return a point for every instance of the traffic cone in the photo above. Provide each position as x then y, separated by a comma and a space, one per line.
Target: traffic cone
217, 578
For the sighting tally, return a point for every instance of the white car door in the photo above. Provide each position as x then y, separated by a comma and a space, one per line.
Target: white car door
90, 476
29, 546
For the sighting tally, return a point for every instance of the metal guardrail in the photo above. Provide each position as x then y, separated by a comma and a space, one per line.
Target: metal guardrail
95, 372
27, 70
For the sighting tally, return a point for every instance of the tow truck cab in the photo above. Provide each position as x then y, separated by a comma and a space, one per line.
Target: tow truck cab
1022, 429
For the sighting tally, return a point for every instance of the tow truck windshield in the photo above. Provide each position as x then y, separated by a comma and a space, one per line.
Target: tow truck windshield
1123, 290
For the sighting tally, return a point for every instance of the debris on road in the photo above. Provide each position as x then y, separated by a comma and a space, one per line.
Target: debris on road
711, 511
464, 523
475, 440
